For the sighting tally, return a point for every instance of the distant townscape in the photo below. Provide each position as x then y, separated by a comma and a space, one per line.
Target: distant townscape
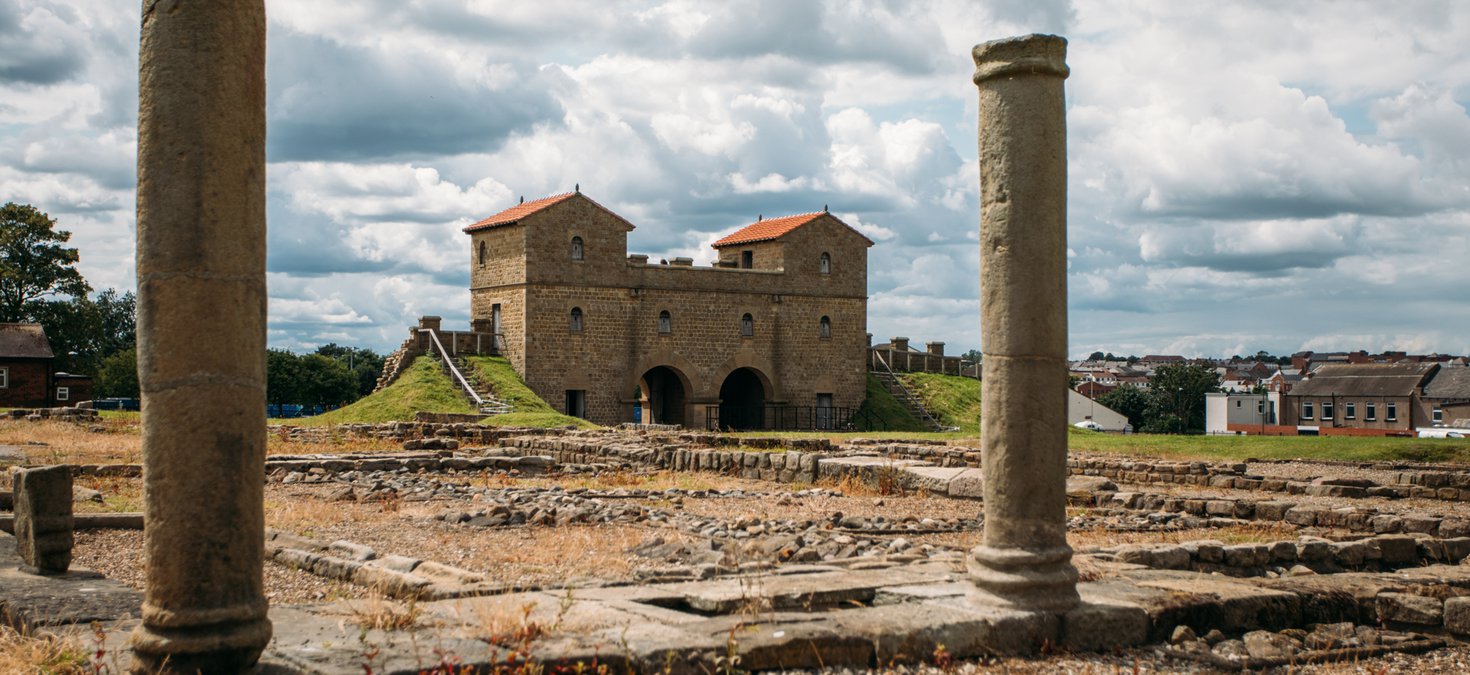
1357, 393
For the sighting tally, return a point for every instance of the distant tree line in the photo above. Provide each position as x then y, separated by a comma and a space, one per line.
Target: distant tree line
97, 334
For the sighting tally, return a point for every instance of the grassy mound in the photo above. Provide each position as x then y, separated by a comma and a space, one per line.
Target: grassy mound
421, 387
530, 409
887, 408
951, 399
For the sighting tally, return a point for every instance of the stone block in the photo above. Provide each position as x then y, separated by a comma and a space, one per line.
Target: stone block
1272, 510
1457, 615
43, 519
1096, 626
968, 484
1396, 549
1407, 608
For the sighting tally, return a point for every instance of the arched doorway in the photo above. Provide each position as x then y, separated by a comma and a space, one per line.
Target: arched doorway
663, 396
743, 400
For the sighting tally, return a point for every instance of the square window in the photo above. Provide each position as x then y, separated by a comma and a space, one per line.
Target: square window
4, 378
1438, 415
1306, 410
63, 393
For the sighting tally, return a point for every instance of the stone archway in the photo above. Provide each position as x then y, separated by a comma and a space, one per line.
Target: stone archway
664, 395
743, 397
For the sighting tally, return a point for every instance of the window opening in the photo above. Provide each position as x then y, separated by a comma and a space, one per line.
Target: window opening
576, 325
747, 326
826, 263
665, 323
576, 248
824, 328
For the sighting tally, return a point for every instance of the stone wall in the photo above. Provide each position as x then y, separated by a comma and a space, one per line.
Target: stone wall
621, 300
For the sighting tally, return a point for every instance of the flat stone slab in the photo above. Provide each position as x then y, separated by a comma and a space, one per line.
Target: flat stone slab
935, 479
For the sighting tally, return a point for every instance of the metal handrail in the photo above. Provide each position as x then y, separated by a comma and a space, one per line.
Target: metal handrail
479, 402
909, 396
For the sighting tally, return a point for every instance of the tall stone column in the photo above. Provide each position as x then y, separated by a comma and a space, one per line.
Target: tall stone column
201, 333
1024, 560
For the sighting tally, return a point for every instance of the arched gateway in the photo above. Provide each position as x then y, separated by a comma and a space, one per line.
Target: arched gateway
663, 394
743, 400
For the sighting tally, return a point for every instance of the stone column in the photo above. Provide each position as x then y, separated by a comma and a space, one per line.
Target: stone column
201, 333
43, 519
1024, 560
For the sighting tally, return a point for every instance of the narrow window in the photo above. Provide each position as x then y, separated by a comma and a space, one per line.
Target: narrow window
747, 259
1350, 412
1260, 407
747, 326
4, 378
576, 320
824, 328
1437, 415
1306, 410
1237, 404
483, 254
826, 263
576, 248
1370, 411
1392, 414
665, 323
63, 393
1327, 410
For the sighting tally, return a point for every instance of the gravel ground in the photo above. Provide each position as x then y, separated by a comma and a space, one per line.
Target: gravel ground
1397, 506
1307, 470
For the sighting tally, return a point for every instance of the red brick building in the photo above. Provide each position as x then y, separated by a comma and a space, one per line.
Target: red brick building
27, 378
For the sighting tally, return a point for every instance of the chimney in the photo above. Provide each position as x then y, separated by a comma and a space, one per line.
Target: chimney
430, 322
900, 343
935, 348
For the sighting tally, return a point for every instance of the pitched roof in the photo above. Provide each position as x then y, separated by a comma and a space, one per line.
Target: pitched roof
519, 211
775, 228
1364, 379
1453, 382
24, 341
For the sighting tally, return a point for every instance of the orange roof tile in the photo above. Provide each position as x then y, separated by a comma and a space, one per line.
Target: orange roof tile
519, 211
775, 228
766, 230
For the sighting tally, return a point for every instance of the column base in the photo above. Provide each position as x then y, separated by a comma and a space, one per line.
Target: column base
213, 648
1042, 580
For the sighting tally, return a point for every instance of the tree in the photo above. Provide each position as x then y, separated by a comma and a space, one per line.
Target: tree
1128, 401
1177, 398
282, 373
84, 331
324, 381
1096, 356
34, 263
117, 376
366, 365
972, 356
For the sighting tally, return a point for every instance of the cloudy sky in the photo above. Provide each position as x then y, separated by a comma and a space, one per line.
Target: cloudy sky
1243, 175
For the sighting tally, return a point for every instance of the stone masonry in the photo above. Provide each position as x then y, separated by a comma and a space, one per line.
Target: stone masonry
43, 519
522, 262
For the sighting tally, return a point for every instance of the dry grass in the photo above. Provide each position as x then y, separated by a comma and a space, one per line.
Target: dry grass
21, 653
379, 613
66, 443
334, 443
119, 495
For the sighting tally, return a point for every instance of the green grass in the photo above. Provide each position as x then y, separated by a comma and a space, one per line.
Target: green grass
951, 399
1237, 448
421, 387
530, 409
881, 403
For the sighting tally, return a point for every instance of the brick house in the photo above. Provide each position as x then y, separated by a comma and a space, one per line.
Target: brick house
1446, 396
26, 376
1367, 399
779, 321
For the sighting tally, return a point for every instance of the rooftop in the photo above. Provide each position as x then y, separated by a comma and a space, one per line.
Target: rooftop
1365, 379
24, 341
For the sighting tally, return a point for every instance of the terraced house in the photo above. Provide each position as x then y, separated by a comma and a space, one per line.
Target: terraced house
774, 331
1358, 399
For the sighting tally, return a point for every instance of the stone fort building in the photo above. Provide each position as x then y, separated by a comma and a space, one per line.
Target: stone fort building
773, 334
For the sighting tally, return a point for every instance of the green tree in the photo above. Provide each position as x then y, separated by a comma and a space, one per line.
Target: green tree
366, 365
117, 376
34, 263
324, 381
1096, 356
85, 331
1128, 401
1177, 398
282, 375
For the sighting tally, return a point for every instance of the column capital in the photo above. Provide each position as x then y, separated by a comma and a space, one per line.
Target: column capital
1034, 54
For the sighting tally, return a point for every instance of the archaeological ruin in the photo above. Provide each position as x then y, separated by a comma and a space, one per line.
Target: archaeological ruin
202, 540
